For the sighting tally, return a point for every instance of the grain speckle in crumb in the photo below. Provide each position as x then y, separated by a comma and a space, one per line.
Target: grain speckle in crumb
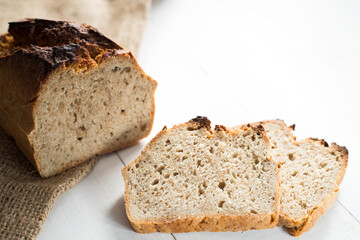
311, 172
194, 178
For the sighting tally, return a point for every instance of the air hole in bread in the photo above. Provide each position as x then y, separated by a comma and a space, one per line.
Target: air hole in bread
211, 150
156, 181
323, 164
303, 205
291, 156
253, 211
201, 191
221, 204
160, 169
221, 185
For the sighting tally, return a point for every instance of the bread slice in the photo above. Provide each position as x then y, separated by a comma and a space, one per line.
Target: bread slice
192, 178
68, 93
311, 172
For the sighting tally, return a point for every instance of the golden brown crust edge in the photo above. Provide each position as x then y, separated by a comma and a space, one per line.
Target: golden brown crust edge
215, 223
297, 228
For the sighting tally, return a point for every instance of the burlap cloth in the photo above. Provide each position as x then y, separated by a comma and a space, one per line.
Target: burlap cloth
25, 198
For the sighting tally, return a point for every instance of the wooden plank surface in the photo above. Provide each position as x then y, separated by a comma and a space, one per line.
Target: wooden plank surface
237, 62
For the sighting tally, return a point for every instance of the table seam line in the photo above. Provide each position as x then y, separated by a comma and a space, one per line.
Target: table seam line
120, 158
348, 211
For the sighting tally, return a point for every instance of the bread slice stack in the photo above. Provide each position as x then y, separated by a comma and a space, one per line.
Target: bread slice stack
68, 93
193, 178
311, 172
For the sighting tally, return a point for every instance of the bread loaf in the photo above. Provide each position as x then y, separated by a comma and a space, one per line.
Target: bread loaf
68, 93
192, 178
311, 172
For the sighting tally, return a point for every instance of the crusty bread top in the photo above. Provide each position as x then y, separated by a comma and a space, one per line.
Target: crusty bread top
58, 43
48, 33
191, 170
34, 49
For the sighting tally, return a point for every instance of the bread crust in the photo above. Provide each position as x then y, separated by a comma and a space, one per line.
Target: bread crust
30, 53
298, 227
210, 223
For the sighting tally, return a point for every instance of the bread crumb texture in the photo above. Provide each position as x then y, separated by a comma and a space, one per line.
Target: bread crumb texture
193, 178
311, 172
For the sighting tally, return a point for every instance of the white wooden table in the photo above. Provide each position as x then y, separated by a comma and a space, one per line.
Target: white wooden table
237, 62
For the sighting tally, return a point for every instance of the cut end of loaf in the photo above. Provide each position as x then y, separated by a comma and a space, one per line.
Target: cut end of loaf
193, 178
82, 115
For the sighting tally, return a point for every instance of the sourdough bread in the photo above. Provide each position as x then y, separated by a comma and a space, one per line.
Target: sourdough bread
68, 93
192, 178
311, 172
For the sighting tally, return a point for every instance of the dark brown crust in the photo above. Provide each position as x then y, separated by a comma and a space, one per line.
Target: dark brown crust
219, 128
34, 50
60, 43
213, 223
49, 33
321, 141
201, 122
